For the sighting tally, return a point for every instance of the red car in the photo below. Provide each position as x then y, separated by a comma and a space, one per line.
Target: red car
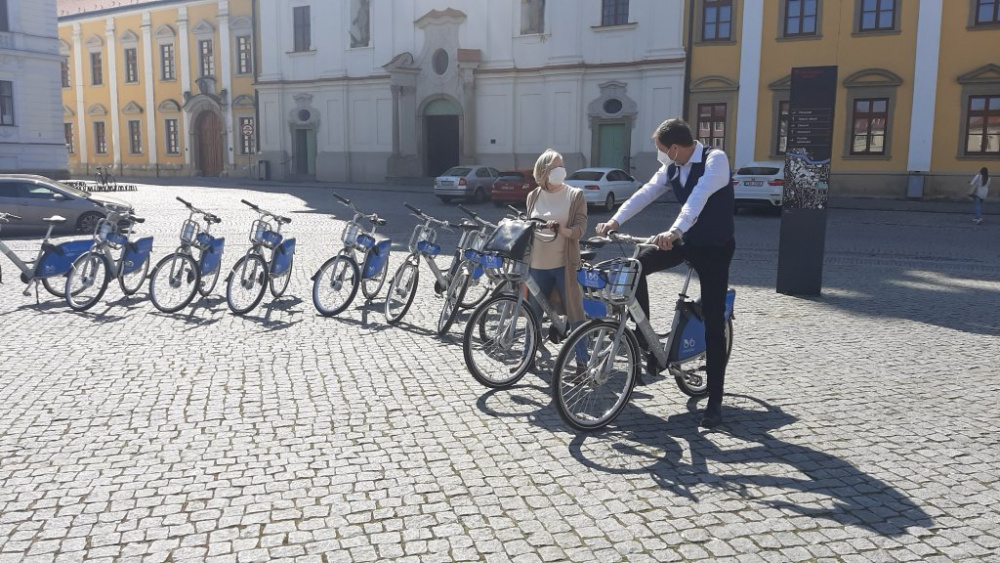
512, 187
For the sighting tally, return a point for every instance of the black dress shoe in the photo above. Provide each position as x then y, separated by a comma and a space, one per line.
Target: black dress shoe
712, 416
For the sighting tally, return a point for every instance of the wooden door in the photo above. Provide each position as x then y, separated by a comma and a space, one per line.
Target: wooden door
211, 156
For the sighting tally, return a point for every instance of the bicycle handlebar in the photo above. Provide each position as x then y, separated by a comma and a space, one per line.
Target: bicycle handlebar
413, 209
468, 211
342, 199
7, 216
278, 218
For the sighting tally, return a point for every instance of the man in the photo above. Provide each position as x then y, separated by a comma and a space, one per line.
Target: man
700, 178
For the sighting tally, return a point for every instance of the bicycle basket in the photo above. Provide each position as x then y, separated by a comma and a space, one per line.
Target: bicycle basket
622, 279
422, 233
498, 266
511, 239
472, 239
349, 236
104, 228
189, 232
259, 231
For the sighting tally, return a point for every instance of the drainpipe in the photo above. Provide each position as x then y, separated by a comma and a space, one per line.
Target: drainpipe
256, 73
688, 55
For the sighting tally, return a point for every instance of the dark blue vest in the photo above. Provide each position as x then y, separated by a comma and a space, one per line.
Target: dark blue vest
715, 225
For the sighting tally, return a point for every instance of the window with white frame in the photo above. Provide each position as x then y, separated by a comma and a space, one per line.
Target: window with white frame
206, 57
173, 136
134, 137
6, 102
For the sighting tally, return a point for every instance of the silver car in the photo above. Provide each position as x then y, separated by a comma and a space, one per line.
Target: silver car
467, 182
34, 198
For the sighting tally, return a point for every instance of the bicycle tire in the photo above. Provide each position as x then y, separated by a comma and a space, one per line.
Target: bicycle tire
239, 278
452, 300
572, 390
181, 273
483, 342
378, 281
693, 381
136, 278
207, 281
282, 279
477, 292
48, 286
91, 269
410, 264
336, 284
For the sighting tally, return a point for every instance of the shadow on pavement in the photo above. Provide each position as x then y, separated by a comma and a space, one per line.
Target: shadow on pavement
793, 477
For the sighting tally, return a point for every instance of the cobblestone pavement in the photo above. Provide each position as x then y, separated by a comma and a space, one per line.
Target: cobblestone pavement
861, 426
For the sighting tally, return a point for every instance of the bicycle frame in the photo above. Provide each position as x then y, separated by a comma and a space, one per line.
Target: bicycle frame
28, 269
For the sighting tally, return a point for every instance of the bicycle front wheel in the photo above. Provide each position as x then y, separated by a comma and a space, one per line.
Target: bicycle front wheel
279, 283
500, 342
247, 283
173, 283
594, 375
452, 299
402, 288
87, 281
132, 281
335, 285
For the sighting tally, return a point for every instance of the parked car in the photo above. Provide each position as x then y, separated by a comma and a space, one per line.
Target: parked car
604, 186
513, 187
34, 198
759, 184
466, 182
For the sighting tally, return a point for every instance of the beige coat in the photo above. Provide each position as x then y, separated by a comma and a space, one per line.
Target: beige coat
577, 224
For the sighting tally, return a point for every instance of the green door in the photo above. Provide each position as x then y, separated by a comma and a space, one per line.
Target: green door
612, 150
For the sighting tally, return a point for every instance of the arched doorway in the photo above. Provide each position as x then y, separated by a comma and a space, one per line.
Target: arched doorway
211, 155
441, 135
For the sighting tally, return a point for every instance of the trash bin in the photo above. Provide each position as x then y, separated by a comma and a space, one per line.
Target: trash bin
915, 185
263, 170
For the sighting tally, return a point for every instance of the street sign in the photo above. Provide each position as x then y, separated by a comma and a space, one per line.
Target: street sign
247, 129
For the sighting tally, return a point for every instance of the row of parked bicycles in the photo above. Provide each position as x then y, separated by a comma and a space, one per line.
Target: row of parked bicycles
597, 367
599, 363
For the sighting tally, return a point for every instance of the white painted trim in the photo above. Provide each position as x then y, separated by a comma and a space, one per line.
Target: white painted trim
185, 70
81, 114
225, 76
746, 105
925, 78
111, 41
152, 139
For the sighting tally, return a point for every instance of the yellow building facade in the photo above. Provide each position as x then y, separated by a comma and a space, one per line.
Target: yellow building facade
158, 88
918, 100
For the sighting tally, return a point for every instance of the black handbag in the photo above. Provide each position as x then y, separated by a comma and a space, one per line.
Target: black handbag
511, 239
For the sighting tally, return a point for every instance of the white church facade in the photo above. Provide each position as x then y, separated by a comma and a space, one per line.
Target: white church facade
372, 90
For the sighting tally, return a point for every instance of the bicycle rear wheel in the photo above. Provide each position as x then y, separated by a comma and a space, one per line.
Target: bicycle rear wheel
371, 286
247, 283
52, 289
335, 285
479, 289
589, 396
402, 288
500, 342
208, 281
452, 298
692, 376
87, 281
132, 281
173, 283
279, 283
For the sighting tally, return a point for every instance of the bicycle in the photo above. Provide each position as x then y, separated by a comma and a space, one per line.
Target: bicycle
342, 272
52, 261
465, 273
403, 286
495, 332
591, 399
93, 270
253, 273
178, 276
105, 179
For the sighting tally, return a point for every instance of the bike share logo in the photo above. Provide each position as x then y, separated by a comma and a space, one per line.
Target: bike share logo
593, 277
49, 269
689, 343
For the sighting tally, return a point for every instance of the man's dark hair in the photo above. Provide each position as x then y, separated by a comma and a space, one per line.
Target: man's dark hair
674, 132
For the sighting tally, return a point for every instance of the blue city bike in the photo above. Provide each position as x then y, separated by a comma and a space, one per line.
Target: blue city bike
178, 276
91, 273
254, 272
592, 397
52, 262
362, 261
423, 245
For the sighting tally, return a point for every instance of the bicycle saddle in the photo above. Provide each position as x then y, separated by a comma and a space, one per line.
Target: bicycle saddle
55, 219
588, 255
214, 219
594, 242
379, 221
467, 225
284, 220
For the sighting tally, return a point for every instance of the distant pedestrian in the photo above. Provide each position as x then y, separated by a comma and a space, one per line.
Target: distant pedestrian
980, 188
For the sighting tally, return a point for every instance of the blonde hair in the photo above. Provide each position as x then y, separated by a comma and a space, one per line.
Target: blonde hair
544, 165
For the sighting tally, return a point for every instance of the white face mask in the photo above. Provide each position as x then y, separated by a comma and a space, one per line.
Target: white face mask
664, 158
557, 176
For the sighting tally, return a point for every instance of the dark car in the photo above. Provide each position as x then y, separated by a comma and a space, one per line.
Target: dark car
35, 197
513, 187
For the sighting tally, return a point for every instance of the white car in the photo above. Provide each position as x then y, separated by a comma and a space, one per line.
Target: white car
759, 184
604, 186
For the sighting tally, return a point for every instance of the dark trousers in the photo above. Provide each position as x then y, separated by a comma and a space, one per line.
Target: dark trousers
712, 265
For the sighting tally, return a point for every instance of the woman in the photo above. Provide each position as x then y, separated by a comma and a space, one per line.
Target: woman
555, 254
980, 188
